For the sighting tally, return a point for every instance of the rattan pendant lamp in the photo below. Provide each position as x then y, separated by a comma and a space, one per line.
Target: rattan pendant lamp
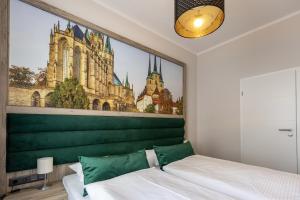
197, 18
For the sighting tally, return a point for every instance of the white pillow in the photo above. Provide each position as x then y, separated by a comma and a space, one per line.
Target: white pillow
76, 167
152, 159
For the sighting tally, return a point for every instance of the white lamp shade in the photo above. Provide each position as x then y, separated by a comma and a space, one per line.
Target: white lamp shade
44, 165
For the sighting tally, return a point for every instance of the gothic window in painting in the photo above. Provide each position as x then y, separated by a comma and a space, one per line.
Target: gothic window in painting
36, 99
87, 70
62, 64
106, 107
76, 62
96, 104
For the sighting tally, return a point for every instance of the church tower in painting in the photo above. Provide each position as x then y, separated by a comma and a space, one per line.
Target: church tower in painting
154, 79
155, 94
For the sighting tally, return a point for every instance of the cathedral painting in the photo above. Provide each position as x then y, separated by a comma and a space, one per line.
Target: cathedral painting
71, 66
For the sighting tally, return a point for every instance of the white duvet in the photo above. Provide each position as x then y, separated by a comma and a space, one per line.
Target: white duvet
150, 184
236, 179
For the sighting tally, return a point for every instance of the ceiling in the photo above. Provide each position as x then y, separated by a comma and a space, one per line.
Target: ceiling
241, 16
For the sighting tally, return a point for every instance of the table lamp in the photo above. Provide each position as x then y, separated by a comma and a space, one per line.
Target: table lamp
45, 166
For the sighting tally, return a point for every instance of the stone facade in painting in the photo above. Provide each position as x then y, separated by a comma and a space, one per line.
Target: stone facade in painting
88, 57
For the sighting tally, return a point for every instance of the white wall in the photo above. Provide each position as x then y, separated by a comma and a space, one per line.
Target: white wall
218, 77
102, 17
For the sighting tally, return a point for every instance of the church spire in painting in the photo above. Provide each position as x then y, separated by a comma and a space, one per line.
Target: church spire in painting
108, 45
149, 67
127, 82
155, 65
160, 73
69, 25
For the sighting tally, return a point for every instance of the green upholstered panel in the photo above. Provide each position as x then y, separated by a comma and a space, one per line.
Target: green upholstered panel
65, 137
51, 140
27, 123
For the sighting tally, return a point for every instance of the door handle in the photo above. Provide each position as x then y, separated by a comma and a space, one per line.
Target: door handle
287, 130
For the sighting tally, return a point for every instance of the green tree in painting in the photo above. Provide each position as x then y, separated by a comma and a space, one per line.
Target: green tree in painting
41, 78
21, 77
150, 108
69, 94
166, 102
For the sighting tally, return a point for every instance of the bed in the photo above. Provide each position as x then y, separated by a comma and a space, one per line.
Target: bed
238, 180
74, 187
145, 184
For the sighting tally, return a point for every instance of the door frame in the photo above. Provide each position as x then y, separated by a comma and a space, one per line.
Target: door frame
297, 86
298, 115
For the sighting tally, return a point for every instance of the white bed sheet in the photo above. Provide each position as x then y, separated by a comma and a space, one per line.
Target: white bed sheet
150, 184
74, 187
236, 179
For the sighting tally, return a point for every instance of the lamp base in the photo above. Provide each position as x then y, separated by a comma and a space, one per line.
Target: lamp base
44, 187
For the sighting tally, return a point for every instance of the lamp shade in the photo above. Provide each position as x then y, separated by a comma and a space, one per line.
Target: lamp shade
44, 165
197, 18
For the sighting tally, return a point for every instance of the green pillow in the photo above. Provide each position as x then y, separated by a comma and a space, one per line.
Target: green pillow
168, 154
107, 167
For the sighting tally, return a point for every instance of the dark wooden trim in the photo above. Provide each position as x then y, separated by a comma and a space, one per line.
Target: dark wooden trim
4, 59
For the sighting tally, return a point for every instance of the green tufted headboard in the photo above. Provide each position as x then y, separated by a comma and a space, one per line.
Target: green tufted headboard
65, 137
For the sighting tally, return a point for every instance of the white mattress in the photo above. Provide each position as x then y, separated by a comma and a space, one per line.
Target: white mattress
74, 187
150, 184
239, 180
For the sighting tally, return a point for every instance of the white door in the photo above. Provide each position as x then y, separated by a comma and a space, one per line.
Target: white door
268, 120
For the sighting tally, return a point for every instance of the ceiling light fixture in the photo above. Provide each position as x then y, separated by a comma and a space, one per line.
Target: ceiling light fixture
198, 22
197, 18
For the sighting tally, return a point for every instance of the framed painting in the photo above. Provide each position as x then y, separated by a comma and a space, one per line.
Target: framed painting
59, 61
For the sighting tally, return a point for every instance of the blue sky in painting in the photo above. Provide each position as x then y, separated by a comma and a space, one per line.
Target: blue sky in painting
29, 46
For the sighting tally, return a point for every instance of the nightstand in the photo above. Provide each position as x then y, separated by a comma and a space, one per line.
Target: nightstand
56, 191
